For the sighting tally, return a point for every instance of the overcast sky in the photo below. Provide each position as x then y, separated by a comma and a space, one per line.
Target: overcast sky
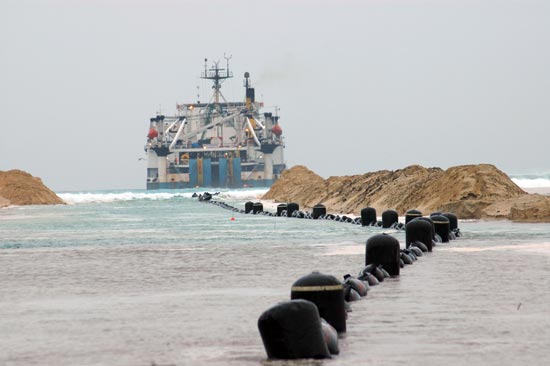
361, 85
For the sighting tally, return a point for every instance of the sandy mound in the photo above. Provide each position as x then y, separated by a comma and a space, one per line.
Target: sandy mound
294, 182
20, 188
527, 208
468, 190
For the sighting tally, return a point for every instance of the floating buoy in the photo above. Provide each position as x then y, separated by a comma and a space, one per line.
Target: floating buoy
368, 216
280, 208
291, 207
298, 214
330, 335
318, 211
416, 251
292, 330
232, 219
205, 197
383, 249
389, 217
453, 220
430, 221
405, 258
368, 277
412, 214
257, 207
384, 272
374, 270
356, 284
327, 293
419, 230
420, 245
350, 294
453, 225
248, 207
441, 227
410, 253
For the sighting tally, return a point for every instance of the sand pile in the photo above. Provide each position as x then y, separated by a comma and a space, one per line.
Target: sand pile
470, 191
293, 183
527, 208
20, 188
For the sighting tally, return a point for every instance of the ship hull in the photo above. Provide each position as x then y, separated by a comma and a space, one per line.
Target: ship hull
211, 173
264, 183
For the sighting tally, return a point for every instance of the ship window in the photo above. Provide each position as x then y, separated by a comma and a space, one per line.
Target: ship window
152, 172
178, 170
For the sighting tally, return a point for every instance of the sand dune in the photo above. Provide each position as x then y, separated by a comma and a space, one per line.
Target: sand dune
20, 188
470, 191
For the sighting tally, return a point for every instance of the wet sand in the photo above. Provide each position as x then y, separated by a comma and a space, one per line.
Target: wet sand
539, 190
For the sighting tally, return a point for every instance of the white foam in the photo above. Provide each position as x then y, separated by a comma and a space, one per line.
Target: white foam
243, 194
532, 183
96, 197
73, 198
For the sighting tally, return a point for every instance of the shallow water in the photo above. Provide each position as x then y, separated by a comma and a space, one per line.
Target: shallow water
176, 282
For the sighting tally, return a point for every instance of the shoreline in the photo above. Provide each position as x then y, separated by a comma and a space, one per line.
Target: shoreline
545, 191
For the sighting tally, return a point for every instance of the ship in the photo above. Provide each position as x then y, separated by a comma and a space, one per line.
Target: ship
219, 144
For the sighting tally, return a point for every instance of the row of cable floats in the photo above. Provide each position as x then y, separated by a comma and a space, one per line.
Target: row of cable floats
445, 224
308, 325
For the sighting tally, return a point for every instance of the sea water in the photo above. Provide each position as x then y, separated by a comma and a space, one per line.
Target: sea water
158, 278
532, 180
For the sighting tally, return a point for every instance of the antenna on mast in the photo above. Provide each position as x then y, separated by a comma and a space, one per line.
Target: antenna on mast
227, 61
218, 75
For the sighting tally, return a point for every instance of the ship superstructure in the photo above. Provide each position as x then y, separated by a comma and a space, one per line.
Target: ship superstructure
215, 144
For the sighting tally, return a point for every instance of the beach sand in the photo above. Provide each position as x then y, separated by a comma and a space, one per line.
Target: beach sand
539, 190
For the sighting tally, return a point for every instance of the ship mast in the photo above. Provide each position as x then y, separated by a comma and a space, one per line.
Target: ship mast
218, 75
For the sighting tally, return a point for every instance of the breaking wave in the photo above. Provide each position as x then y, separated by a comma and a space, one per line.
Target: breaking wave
243, 194
532, 180
106, 197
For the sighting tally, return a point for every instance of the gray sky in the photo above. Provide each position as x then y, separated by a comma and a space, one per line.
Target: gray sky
361, 85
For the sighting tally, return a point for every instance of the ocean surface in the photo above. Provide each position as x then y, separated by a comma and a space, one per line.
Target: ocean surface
157, 278
541, 180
